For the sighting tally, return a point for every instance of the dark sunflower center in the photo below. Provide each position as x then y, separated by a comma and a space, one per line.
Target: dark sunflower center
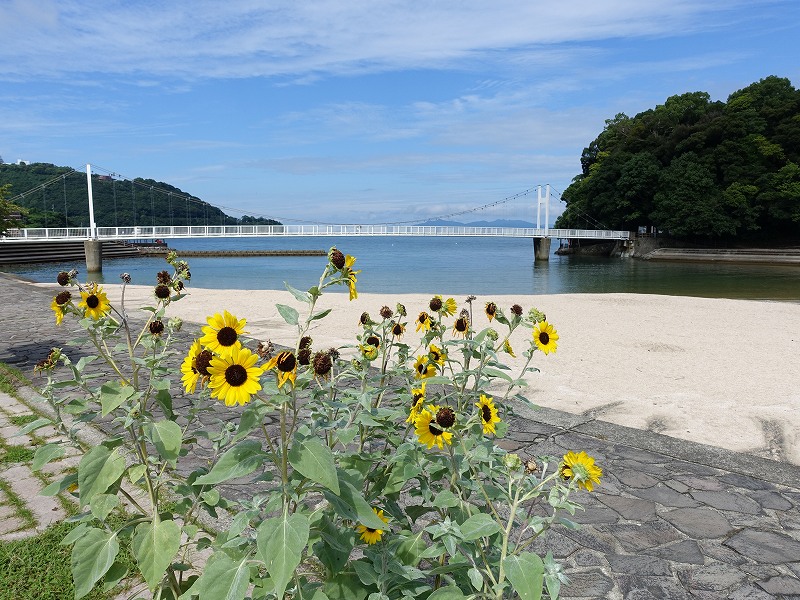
423, 317
370, 529
286, 362
227, 336
491, 309
236, 375
373, 341
63, 298
445, 417
416, 400
203, 361
434, 429
422, 368
486, 413
544, 338
92, 301
461, 324
565, 472
435, 356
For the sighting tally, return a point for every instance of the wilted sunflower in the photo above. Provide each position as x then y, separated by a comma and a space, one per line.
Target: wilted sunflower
417, 403
461, 326
286, 365
424, 367
398, 329
369, 535
428, 431
488, 413
423, 321
351, 276
582, 469
222, 333
59, 305
94, 301
234, 378
508, 349
545, 337
491, 310
191, 374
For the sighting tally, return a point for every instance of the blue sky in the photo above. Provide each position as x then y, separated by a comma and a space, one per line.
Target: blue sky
362, 111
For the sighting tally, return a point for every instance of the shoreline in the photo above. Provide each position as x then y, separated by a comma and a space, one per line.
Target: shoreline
707, 370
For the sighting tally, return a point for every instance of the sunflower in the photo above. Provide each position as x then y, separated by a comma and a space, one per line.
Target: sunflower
491, 310
234, 378
488, 413
94, 301
191, 374
437, 355
370, 535
351, 276
461, 326
545, 337
580, 467
428, 430
398, 329
424, 321
286, 364
449, 308
59, 305
417, 403
508, 349
368, 351
424, 367
222, 333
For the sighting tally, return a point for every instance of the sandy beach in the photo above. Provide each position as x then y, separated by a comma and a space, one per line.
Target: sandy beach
716, 371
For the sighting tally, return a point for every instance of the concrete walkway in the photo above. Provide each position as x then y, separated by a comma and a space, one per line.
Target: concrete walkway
672, 519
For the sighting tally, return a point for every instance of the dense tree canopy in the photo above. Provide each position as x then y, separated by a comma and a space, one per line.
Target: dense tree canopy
57, 196
697, 169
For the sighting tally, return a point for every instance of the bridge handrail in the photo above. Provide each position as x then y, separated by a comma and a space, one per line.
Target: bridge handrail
203, 231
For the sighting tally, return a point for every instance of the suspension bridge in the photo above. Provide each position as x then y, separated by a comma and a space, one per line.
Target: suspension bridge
171, 221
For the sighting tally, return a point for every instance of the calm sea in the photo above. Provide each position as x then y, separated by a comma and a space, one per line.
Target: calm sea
479, 266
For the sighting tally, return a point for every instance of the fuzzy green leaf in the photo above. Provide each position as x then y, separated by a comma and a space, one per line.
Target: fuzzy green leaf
280, 543
223, 579
166, 436
92, 555
244, 458
289, 314
477, 526
98, 470
313, 459
154, 545
526, 574
113, 395
45, 454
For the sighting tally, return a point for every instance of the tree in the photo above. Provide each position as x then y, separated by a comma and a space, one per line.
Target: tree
10, 213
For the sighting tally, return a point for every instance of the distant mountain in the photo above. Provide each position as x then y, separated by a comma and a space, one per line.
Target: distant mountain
495, 223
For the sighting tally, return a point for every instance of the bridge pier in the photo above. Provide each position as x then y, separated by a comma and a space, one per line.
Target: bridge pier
541, 249
94, 255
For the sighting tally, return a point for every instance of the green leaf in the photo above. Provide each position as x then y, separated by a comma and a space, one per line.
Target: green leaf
41, 422
350, 504
320, 315
299, 294
115, 574
44, 454
98, 470
477, 526
313, 459
136, 472
103, 504
288, 313
58, 486
345, 586
446, 499
154, 545
166, 436
475, 578
223, 579
252, 417
366, 572
409, 551
113, 395
92, 555
280, 542
447, 593
526, 573
244, 458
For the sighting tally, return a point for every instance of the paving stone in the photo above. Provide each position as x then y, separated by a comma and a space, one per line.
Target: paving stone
588, 558
653, 469
555, 542
687, 552
771, 500
781, 585
636, 479
632, 509
592, 515
717, 577
680, 466
699, 522
650, 588
728, 500
712, 484
765, 546
795, 568
743, 481
761, 571
593, 539
665, 496
10, 524
21, 534
636, 538
639, 565
750, 592
587, 584
7, 511
678, 486
715, 550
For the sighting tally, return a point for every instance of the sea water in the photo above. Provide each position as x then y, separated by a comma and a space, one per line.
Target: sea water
447, 266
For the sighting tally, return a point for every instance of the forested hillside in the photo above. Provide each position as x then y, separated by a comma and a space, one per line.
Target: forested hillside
697, 169
55, 196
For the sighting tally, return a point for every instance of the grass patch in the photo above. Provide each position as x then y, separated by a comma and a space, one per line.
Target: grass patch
20, 509
38, 568
16, 454
22, 420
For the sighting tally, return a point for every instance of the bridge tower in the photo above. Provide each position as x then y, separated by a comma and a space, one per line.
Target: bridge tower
541, 245
93, 247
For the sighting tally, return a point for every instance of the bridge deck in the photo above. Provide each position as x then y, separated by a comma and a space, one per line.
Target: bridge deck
208, 231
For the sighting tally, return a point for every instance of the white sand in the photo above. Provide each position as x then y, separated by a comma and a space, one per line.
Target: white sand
716, 371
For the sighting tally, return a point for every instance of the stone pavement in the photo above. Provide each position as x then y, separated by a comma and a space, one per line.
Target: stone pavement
672, 519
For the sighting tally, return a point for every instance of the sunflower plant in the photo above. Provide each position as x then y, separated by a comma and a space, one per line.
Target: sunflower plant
372, 471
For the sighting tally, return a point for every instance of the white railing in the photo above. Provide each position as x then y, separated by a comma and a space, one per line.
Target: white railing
205, 231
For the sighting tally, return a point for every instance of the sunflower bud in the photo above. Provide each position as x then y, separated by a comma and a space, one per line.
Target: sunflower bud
163, 277
386, 312
492, 334
125, 277
401, 310
517, 310
512, 461
536, 316
322, 363
175, 324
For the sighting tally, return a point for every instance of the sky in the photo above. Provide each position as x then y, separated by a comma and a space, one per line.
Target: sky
355, 111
